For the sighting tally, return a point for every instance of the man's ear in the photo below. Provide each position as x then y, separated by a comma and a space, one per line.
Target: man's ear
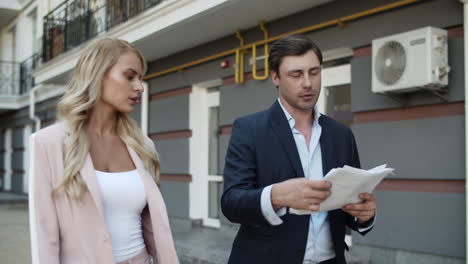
275, 78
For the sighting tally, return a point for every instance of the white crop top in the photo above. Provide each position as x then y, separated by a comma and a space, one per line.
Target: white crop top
124, 198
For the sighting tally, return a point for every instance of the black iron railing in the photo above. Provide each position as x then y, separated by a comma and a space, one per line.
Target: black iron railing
26, 72
9, 78
76, 21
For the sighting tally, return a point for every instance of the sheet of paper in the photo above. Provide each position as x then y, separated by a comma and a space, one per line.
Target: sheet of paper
347, 184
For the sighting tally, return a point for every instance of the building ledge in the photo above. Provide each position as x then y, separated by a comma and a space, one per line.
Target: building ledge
44, 92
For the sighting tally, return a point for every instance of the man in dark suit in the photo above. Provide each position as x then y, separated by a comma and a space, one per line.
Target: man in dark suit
276, 160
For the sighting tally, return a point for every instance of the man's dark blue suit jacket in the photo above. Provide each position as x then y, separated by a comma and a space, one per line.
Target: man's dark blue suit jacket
261, 152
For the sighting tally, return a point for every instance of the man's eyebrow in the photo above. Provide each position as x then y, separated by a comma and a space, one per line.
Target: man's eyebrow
316, 68
299, 70
294, 71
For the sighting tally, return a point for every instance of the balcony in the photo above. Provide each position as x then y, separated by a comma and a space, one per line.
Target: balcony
27, 68
16, 80
9, 78
8, 10
157, 28
75, 22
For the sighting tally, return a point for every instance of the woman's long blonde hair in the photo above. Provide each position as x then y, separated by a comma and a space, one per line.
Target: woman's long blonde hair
74, 107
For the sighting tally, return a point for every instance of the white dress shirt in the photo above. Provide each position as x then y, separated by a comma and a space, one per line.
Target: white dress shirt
319, 242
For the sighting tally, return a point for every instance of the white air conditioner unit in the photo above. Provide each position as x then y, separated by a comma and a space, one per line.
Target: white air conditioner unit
410, 61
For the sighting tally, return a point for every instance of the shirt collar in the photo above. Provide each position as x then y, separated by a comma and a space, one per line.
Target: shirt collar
292, 121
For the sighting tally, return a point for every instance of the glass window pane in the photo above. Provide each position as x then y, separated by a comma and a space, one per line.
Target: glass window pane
213, 141
213, 198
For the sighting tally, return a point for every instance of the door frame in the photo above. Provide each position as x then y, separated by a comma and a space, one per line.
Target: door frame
200, 101
334, 76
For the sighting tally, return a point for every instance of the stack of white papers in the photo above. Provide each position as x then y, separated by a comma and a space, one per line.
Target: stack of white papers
347, 184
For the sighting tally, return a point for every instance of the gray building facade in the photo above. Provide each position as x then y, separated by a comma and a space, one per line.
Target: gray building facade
421, 208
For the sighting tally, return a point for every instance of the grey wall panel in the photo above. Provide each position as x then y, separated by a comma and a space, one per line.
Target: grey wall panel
17, 183
440, 13
176, 197
421, 222
362, 98
240, 100
391, 256
421, 149
457, 69
45, 110
360, 32
11, 122
17, 160
204, 72
136, 114
169, 114
17, 138
174, 155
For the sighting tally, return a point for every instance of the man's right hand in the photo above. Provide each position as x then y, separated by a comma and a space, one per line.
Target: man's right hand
300, 193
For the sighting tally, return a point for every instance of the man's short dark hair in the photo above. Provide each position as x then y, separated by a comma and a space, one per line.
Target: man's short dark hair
294, 45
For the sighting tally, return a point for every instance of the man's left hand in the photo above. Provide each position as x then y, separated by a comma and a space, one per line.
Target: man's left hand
364, 210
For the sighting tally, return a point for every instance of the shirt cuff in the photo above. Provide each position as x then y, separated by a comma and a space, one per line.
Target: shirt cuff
267, 208
370, 225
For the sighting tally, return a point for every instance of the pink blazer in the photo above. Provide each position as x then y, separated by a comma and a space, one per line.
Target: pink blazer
72, 232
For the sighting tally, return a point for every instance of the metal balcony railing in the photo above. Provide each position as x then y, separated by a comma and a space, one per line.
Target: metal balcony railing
9, 78
26, 72
76, 21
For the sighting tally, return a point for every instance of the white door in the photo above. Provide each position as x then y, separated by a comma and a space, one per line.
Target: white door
204, 153
335, 80
335, 100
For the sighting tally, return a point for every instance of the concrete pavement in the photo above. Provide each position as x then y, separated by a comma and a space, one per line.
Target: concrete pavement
14, 234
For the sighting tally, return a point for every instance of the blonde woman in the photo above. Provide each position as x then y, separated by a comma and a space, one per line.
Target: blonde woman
95, 186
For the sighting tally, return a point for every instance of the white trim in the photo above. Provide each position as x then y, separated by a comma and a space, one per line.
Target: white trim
196, 188
215, 178
28, 11
212, 222
337, 53
212, 99
8, 158
10, 4
338, 75
332, 76
27, 149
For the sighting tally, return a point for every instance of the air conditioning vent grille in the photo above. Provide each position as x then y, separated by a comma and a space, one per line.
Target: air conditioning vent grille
390, 62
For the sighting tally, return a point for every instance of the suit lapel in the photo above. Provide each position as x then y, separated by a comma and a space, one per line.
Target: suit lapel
326, 148
281, 127
89, 176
